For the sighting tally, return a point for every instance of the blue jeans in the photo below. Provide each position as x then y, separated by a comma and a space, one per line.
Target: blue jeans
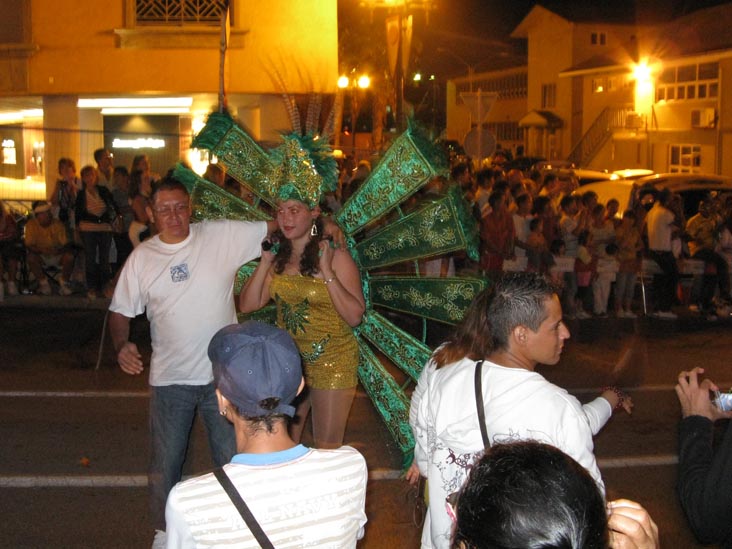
97, 273
172, 411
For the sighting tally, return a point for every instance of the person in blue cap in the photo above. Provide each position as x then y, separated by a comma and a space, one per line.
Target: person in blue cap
300, 497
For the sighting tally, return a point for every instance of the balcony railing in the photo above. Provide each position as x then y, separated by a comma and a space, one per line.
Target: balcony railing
610, 119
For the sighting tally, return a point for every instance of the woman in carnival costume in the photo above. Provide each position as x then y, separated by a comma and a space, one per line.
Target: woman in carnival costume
316, 288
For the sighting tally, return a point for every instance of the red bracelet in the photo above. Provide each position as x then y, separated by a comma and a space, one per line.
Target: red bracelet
618, 393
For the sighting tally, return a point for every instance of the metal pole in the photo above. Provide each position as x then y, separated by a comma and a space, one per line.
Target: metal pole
222, 56
399, 81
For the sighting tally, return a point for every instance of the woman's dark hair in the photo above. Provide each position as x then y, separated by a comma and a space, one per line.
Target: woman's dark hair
540, 204
495, 198
135, 187
530, 495
556, 246
516, 299
309, 262
582, 238
262, 424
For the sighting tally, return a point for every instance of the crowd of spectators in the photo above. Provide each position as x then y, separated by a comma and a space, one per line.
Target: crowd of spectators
78, 240
542, 221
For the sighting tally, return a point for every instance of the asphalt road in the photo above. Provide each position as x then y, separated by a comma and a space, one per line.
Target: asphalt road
75, 442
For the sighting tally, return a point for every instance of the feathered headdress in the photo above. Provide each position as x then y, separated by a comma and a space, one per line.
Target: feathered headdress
305, 169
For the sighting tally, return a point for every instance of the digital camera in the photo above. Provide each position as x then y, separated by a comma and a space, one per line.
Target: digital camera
723, 401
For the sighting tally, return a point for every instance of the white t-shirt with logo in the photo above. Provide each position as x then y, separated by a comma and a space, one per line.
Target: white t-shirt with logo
187, 290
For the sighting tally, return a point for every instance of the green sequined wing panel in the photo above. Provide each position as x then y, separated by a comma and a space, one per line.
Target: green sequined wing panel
379, 236
209, 201
407, 352
244, 159
441, 299
437, 227
388, 397
407, 165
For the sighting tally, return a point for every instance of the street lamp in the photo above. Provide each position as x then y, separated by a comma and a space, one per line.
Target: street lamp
398, 38
354, 84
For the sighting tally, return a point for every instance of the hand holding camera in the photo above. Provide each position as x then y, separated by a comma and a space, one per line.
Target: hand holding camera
696, 400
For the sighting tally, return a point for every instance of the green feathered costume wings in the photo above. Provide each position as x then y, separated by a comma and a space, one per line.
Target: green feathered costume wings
437, 227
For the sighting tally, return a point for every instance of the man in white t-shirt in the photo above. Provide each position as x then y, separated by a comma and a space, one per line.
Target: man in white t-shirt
299, 497
660, 222
183, 278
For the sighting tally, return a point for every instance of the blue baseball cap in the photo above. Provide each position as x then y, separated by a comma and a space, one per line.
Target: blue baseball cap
257, 368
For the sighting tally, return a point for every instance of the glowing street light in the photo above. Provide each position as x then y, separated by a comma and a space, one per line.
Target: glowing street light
643, 74
354, 84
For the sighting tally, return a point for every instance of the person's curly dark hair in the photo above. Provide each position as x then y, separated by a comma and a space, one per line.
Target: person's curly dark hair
309, 262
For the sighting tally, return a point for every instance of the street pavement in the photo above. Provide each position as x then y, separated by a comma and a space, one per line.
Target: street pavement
75, 451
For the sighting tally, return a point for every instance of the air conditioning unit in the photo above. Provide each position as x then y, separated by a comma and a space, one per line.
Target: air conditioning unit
704, 118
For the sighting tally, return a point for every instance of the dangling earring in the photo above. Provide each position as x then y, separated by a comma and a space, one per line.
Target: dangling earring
314, 230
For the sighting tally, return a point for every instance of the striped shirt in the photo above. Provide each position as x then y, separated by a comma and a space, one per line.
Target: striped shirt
301, 498
95, 205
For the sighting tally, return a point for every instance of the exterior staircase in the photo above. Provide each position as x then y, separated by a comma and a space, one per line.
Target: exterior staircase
610, 119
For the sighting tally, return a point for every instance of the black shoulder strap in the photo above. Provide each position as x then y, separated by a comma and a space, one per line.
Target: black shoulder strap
479, 402
243, 509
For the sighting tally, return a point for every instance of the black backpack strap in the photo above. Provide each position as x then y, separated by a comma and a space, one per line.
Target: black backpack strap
243, 509
479, 402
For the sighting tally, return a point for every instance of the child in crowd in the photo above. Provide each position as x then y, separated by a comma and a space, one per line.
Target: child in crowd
611, 212
584, 266
557, 250
605, 275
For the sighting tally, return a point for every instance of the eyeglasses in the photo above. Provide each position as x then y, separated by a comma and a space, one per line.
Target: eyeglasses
170, 211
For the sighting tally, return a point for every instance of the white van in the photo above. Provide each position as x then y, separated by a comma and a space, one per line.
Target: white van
692, 187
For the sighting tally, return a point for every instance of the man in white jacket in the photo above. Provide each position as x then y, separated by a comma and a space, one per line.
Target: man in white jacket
510, 327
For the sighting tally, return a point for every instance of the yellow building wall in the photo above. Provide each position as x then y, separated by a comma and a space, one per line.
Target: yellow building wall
550, 52
79, 53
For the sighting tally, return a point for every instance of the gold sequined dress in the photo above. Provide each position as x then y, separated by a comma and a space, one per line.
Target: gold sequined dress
327, 345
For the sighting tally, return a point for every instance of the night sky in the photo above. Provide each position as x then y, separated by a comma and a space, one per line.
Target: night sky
477, 31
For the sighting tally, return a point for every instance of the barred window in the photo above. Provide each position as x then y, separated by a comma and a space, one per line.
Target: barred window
506, 131
178, 12
512, 86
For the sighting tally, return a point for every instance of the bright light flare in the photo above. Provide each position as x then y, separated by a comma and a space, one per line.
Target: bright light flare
363, 82
643, 74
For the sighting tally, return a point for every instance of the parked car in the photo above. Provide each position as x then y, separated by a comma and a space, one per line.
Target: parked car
582, 175
619, 189
633, 173
691, 186
523, 163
